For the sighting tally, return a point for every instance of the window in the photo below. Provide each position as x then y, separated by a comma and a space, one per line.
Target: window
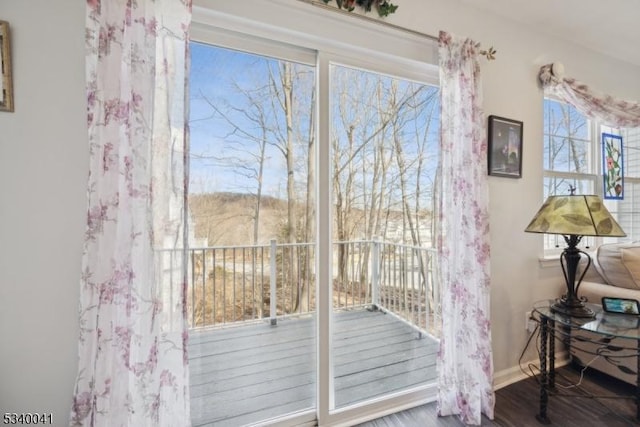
573, 158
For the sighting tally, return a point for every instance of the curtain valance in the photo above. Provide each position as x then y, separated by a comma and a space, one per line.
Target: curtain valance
604, 108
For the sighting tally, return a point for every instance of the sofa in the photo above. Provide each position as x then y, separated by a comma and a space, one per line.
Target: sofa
617, 274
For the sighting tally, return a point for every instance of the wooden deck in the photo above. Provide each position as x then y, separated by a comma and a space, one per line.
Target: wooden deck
242, 375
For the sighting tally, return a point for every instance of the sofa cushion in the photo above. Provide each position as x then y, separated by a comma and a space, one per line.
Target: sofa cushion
631, 260
619, 264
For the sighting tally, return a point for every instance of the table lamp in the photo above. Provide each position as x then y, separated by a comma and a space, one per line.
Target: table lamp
574, 216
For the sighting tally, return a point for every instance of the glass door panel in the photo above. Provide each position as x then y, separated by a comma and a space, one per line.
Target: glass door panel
384, 141
251, 294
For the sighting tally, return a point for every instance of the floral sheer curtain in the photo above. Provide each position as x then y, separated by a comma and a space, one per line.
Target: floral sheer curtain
465, 361
133, 367
603, 108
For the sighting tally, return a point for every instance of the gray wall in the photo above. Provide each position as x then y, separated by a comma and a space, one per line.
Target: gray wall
43, 174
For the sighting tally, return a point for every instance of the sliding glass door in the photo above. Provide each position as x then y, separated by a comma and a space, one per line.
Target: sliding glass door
383, 140
311, 294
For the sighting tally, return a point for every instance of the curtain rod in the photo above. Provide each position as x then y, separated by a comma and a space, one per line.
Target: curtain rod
489, 53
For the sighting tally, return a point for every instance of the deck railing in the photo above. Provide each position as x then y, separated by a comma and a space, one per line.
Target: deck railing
232, 284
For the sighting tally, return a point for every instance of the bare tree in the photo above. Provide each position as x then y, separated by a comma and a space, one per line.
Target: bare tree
262, 114
260, 118
302, 302
566, 151
376, 115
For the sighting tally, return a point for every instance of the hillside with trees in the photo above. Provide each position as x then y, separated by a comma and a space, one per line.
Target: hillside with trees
228, 219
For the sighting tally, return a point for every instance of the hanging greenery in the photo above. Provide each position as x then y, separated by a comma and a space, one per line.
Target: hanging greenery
383, 7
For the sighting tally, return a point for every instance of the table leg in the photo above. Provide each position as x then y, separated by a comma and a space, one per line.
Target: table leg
552, 354
544, 378
638, 382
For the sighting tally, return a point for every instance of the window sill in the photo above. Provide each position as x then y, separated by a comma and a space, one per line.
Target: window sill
552, 261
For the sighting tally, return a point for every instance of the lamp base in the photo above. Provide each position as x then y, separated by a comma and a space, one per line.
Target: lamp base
572, 308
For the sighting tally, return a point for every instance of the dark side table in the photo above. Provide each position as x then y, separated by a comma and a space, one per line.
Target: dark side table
571, 330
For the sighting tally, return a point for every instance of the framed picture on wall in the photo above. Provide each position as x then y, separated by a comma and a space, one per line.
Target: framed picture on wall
6, 83
612, 166
505, 147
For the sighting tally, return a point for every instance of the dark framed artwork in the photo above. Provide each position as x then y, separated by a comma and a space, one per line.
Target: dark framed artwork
6, 83
505, 147
612, 166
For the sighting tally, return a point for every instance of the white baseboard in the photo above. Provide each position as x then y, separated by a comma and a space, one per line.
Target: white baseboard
514, 374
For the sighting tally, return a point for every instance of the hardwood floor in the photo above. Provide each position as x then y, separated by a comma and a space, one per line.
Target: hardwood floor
517, 405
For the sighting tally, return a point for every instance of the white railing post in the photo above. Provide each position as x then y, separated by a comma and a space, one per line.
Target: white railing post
272, 283
426, 271
375, 272
434, 262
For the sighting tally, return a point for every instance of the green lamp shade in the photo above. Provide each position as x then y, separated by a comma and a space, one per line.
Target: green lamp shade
582, 215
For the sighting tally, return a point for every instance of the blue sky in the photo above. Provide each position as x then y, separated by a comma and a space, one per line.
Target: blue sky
218, 76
